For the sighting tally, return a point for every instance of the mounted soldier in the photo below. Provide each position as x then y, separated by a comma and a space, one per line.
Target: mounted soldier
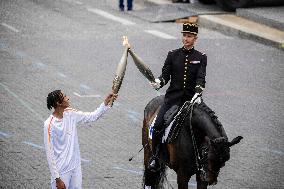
185, 68
195, 141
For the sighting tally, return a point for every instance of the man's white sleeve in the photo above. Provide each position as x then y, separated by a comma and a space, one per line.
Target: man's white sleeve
50, 152
85, 117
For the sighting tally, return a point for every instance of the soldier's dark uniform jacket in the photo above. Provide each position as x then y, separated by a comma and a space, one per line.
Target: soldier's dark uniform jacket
187, 70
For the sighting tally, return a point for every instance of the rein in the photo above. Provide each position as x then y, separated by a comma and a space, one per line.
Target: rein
197, 155
189, 110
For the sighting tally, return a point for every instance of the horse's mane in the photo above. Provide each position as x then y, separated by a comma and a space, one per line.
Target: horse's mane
203, 107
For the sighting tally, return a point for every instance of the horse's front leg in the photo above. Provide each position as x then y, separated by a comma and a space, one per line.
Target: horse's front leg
182, 180
182, 185
201, 184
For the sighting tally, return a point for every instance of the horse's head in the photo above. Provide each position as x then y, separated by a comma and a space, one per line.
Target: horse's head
218, 146
218, 154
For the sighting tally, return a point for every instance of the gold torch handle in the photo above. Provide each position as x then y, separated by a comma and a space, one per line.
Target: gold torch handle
119, 74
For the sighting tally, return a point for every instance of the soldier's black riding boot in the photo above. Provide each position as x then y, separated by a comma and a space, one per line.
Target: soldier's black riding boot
154, 164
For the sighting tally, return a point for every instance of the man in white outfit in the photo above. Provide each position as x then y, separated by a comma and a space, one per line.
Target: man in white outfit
61, 139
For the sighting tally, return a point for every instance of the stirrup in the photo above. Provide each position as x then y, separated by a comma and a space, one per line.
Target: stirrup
154, 165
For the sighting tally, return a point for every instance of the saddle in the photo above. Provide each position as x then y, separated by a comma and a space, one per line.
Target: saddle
171, 126
173, 119
170, 115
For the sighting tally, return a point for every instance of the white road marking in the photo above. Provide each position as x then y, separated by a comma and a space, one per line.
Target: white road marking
86, 96
278, 152
3, 45
85, 86
190, 183
20, 54
40, 65
85, 160
61, 75
160, 34
78, 2
33, 145
4, 134
9, 27
22, 102
110, 16
128, 170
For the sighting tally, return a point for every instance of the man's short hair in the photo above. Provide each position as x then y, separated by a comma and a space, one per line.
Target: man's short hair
53, 98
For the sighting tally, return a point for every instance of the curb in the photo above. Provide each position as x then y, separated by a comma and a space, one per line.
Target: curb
260, 15
238, 26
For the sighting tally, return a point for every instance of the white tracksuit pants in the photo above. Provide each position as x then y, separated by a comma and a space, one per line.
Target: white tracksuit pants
71, 179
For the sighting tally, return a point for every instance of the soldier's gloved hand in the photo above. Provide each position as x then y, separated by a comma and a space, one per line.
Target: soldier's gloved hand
196, 99
156, 85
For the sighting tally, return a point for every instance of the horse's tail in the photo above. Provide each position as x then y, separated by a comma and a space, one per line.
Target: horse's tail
163, 176
155, 180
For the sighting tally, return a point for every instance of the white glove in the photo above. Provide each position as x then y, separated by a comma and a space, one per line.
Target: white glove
197, 100
156, 85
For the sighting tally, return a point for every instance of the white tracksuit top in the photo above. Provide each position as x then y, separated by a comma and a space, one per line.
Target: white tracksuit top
61, 139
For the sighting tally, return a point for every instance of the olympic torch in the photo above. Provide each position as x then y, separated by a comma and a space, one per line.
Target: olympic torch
142, 67
119, 74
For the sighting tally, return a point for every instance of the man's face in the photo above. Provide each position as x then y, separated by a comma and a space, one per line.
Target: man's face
65, 102
188, 39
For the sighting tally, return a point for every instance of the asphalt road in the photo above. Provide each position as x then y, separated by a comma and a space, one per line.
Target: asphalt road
76, 45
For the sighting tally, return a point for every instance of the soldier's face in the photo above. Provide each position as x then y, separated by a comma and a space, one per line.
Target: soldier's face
188, 39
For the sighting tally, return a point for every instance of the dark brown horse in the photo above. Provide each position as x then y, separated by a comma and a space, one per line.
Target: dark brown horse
180, 155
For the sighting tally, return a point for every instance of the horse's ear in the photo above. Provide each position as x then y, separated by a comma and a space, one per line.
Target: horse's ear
235, 141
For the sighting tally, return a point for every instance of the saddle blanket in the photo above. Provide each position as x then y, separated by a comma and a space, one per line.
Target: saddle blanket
166, 133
